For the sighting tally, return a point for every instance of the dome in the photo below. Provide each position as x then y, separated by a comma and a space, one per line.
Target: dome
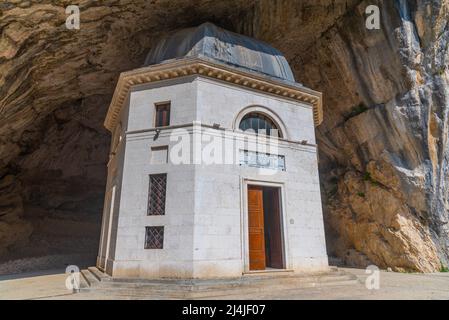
210, 42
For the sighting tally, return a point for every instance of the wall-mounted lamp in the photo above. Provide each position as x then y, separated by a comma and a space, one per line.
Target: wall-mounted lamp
158, 131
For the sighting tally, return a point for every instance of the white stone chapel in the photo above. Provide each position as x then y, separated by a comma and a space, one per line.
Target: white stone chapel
242, 198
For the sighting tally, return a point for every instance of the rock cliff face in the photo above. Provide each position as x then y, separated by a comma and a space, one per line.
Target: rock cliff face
383, 144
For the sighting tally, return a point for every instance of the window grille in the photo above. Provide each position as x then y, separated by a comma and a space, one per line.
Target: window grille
157, 194
154, 237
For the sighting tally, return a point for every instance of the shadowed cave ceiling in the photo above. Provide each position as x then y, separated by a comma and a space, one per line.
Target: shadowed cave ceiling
382, 146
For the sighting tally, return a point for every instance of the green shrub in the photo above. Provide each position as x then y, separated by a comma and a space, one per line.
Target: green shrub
367, 177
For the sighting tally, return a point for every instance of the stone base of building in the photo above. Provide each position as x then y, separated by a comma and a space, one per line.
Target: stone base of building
185, 270
94, 279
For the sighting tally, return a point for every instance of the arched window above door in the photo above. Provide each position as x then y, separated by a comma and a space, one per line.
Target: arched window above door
260, 124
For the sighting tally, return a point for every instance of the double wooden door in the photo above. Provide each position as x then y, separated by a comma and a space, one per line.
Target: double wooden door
264, 228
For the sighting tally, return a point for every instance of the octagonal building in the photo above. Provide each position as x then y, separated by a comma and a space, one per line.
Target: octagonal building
213, 169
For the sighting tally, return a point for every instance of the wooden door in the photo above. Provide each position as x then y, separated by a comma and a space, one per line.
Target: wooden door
256, 228
273, 224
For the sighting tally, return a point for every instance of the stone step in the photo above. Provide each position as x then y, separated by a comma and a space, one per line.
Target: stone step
151, 293
83, 282
246, 281
260, 287
101, 276
181, 289
247, 277
88, 276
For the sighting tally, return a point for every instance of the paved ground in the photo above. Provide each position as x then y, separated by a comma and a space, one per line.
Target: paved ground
51, 285
35, 285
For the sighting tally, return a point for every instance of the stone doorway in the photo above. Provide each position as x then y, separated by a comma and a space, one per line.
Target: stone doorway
265, 228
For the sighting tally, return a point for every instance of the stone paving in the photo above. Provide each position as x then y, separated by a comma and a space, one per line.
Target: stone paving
51, 285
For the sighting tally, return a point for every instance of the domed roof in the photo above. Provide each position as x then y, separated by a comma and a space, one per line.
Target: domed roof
210, 42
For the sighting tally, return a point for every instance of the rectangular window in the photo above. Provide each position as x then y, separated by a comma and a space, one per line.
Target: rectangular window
159, 155
156, 194
154, 237
162, 114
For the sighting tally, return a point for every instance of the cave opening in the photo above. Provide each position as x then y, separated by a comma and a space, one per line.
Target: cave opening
57, 85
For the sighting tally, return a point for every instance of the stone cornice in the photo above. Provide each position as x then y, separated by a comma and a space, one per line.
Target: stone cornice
187, 67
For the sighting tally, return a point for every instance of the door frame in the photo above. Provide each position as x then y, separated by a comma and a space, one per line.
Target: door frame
244, 221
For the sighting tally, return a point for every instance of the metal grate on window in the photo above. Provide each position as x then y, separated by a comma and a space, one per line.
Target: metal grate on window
157, 194
154, 237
